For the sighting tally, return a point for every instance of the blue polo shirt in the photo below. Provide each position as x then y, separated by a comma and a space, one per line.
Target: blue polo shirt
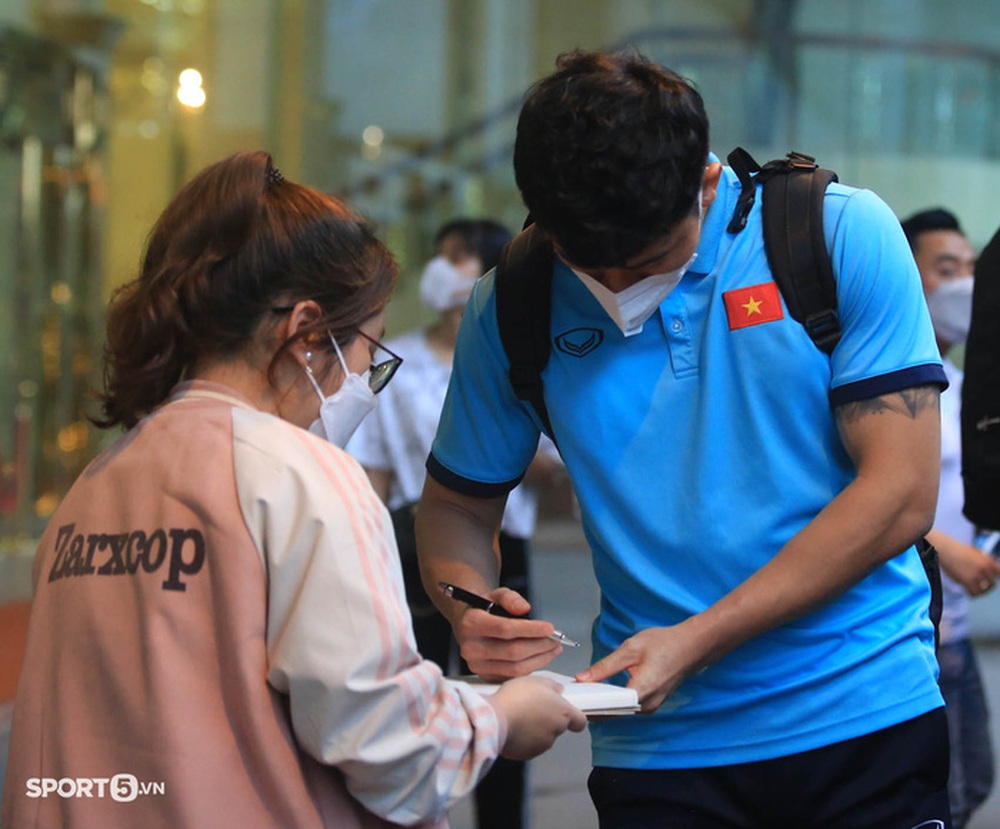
697, 448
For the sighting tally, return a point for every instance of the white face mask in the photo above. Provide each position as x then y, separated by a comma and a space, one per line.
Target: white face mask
631, 307
443, 286
342, 412
950, 305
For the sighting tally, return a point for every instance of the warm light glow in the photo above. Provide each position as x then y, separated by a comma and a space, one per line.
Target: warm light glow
61, 293
73, 438
190, 92
190, 77
193, 96
46, 504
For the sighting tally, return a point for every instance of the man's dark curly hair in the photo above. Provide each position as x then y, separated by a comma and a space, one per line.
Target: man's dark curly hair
610, 153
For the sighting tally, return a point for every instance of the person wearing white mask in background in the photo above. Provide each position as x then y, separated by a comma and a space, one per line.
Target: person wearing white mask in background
393, 444
218, 634
946, 262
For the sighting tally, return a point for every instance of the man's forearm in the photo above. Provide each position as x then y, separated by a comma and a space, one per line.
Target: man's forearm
855, 534
894, 442
455, 544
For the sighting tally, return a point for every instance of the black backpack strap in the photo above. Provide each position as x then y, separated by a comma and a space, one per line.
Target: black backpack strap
796, 246
745, 167
794, 188
932, 567
523, 285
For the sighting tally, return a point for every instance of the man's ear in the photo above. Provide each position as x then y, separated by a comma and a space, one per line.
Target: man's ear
710, 184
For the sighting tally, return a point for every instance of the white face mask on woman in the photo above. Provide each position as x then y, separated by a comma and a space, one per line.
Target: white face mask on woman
950, 305
342, 412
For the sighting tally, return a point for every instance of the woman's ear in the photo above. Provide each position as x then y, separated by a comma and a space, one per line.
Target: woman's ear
303, 316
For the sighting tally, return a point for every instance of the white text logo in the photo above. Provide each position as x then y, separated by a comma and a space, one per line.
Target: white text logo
122, 787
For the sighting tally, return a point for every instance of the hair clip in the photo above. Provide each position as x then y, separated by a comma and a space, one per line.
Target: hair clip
274, 175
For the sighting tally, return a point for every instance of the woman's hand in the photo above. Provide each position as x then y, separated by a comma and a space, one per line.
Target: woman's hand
537, 713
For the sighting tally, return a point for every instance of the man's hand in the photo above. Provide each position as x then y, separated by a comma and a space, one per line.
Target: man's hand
658, 660
499, 648
975, 570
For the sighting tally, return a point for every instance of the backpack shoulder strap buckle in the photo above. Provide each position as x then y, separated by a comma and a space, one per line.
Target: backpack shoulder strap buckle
824, 329
793, 162
800, 161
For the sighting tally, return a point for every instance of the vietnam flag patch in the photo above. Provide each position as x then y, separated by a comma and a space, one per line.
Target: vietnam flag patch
753, 305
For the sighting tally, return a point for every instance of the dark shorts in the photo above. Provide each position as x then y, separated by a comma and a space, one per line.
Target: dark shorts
895, 778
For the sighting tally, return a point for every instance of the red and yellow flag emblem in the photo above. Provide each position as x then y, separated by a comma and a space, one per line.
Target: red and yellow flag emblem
753, 305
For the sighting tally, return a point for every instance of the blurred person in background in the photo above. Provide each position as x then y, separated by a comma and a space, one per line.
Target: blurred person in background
981, 401
946, 261
218, 606
393, 445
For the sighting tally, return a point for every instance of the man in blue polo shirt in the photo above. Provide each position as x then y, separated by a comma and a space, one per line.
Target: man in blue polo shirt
751, 504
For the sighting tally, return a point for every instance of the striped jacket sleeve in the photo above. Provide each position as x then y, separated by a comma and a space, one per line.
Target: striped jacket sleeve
339, 637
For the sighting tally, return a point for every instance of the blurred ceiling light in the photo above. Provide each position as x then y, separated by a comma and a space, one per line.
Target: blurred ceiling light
190, 77
373, 136
190, 92
371, 142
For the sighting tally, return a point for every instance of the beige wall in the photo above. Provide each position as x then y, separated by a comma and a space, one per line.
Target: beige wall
251, 55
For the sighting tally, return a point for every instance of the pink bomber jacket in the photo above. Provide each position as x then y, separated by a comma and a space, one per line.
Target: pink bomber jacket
219, 638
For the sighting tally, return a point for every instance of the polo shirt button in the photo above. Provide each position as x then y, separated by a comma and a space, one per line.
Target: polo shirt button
677, 326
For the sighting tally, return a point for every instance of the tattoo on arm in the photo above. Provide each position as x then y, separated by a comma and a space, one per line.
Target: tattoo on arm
907, 402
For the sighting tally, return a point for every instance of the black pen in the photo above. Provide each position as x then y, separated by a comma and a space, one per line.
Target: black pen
494, 609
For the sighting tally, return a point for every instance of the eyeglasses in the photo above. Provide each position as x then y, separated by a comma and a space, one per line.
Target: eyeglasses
380, 373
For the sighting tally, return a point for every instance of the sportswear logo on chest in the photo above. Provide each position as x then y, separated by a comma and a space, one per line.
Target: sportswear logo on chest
753, 305
579, 342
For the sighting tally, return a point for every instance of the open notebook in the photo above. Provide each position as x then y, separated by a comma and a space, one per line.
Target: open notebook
595, 699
